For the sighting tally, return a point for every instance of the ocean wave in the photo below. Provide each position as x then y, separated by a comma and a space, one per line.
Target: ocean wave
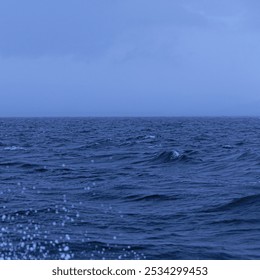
150, 137
32, 167
175, 156
245, 155
151, 197
14, 148
233, 221
227, 147
240, 203
167, 156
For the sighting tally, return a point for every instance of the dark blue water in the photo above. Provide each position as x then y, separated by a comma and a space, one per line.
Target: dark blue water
130, 188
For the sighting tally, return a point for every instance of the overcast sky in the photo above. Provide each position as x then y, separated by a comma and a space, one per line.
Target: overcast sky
129, 57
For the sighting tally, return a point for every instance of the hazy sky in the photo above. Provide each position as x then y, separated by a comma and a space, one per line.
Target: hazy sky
129, 57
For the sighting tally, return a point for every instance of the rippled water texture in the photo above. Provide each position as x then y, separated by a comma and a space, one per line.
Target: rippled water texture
130, 188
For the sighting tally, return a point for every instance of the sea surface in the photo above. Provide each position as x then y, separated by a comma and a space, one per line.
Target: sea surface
129, 188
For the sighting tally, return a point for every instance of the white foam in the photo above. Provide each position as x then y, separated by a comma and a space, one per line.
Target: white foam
175, 154
14, 148
66, 248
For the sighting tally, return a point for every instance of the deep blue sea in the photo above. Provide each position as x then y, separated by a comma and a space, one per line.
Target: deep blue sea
130, 188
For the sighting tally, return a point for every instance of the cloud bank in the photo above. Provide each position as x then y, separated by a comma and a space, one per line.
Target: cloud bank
129, 58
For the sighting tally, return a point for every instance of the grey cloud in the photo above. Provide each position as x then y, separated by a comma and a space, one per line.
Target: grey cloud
126, 58
83, 28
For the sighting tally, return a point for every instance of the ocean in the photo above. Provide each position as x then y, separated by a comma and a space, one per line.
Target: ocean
129, 188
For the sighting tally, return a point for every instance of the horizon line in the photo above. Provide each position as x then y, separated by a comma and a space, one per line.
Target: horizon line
137, 116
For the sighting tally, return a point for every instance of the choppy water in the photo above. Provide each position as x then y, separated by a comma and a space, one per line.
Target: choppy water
130, 188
